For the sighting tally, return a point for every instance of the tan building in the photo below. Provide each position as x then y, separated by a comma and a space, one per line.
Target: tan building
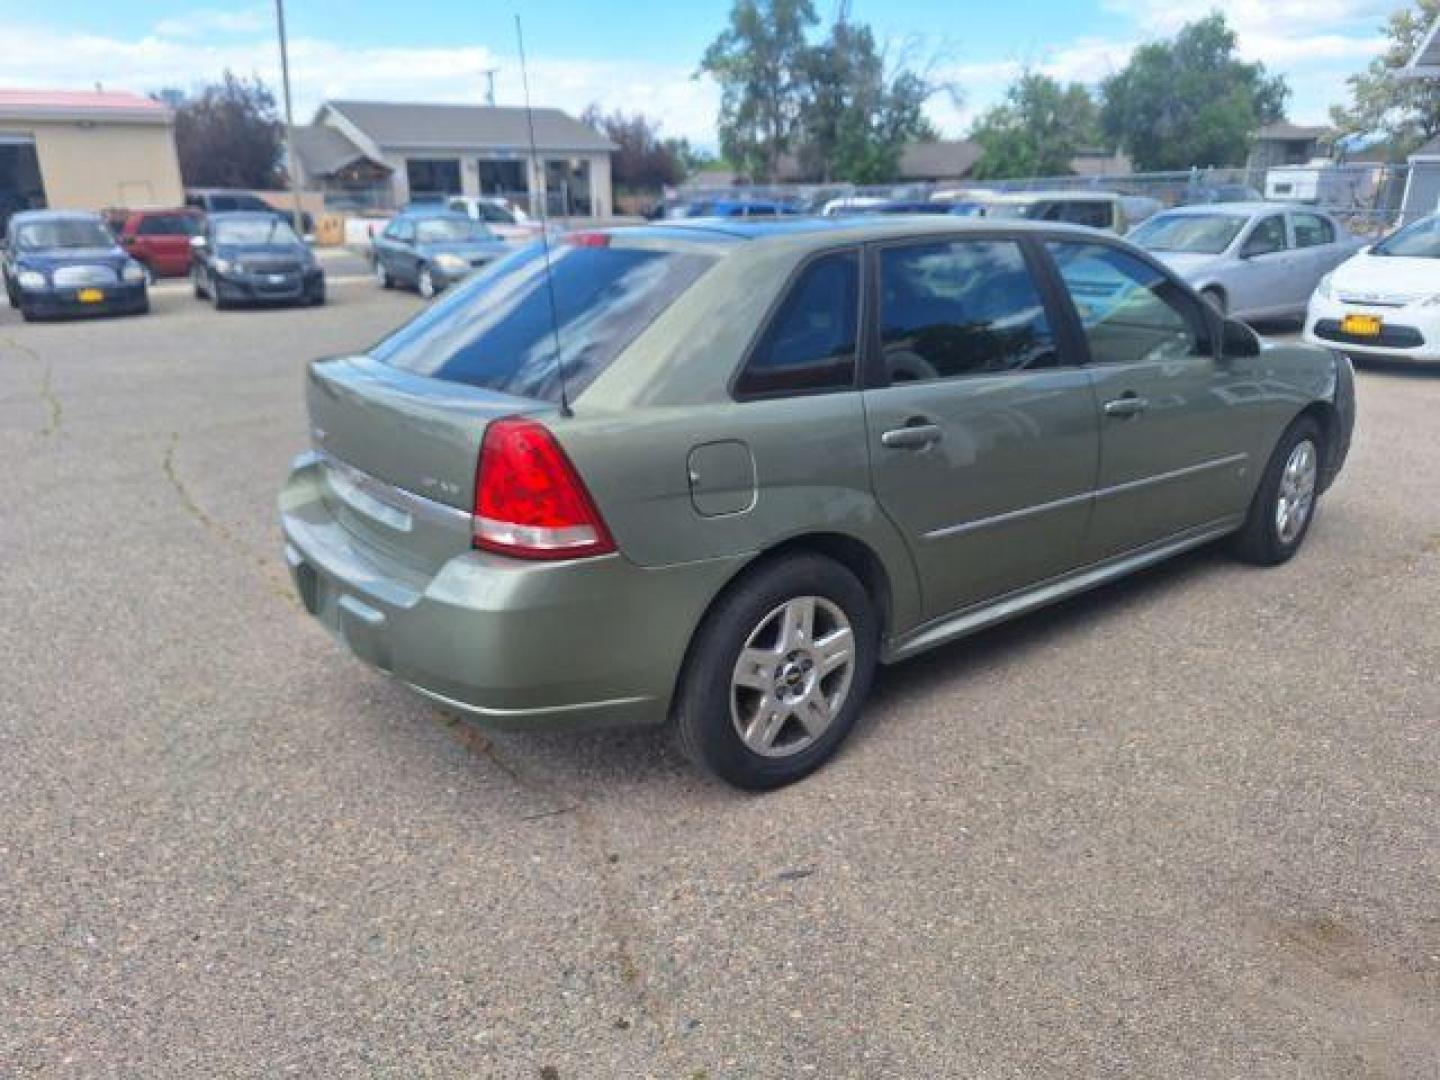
86, 150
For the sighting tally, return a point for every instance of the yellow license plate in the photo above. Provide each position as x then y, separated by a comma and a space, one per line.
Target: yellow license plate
1362, 325
90, 296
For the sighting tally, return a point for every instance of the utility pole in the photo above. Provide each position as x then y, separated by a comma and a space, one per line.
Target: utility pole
489, 74
294, 169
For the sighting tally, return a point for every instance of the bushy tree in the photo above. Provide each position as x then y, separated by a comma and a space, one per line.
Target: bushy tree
1383, 101
1036, 130
229, 134
643, 161
759, 61
1190, 101
856, 117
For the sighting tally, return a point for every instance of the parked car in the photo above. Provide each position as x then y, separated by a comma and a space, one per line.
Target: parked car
1093, 209
254, 258
1251, 260
429, 251
745, 464
1382, 302
232, 200
739, 208
1207, 194
158, 240
506, 221
849, 205
66, 262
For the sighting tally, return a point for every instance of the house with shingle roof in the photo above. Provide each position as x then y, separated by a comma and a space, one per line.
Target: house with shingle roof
383, 154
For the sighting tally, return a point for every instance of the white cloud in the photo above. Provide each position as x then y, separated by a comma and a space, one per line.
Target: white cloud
189, 55
201, 23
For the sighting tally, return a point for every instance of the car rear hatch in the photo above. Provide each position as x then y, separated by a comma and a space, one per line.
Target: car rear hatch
398, 454
400, 429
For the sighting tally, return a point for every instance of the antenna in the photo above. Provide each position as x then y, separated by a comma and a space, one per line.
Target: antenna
544, 227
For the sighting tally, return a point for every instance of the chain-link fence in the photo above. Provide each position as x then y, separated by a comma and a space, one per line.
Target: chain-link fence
1369, 199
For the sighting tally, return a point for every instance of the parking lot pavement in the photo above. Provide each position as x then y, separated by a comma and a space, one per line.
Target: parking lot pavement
1185, 825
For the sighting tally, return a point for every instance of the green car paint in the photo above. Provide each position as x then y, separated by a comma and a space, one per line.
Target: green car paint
1034, 485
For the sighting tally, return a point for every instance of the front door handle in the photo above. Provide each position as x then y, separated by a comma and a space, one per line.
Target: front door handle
913, 436
1126, 405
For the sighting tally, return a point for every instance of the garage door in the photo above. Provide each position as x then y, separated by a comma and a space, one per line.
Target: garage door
20, 184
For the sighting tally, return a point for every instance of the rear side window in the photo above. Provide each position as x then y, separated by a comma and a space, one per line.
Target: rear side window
1089, 212
810, 342
496, 331
1312, 230
970, 307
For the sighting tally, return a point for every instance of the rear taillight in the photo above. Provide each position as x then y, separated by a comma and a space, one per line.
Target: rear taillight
530, 502
587, 239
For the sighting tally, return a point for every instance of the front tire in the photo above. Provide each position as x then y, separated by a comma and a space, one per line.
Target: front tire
382, 276
778, 673
1284, 504
425, 284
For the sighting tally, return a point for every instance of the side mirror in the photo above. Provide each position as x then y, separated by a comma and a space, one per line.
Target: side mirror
1238, 340
197, 242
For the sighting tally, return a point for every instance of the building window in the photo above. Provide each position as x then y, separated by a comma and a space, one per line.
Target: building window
504, 179
567, 187
433, 176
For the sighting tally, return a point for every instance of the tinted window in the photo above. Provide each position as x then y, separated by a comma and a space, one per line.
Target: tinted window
167, 225
1268, 236
493, 213
1312, 230
496, 330
963, 308
1130, 310
810, 343
1088, 212
221, 203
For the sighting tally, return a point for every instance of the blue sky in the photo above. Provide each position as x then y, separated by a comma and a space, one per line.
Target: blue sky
641, 56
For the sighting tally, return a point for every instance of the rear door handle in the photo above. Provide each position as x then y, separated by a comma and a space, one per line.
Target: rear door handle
1127, 405
913, 436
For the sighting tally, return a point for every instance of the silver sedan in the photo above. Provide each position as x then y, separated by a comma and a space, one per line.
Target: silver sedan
1251, 260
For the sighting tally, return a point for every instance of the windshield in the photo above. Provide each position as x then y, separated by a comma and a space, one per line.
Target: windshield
440, 230
62, 233
267, 230
497, 331
1418, 241
1197, 234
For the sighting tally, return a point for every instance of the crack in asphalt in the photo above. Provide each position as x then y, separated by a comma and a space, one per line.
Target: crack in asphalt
623, 930
45, 391
216, 528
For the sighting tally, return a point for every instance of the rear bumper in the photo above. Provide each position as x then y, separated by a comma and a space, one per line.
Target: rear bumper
51, 303
583, 644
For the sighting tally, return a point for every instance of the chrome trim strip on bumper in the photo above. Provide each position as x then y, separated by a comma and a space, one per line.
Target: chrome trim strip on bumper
1074, 500
395, 504
522, 714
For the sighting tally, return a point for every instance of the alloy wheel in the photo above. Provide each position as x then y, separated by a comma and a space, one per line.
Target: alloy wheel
792, 677
1297, 491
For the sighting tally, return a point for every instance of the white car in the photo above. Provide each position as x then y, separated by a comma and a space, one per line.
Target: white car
1384, 302
505, 220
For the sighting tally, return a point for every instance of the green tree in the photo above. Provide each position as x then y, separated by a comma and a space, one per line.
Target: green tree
856, 117
228, 134
1383, 101
759, 60
1190, 101
1036, 130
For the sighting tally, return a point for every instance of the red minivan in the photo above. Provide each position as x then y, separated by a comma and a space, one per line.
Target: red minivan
160, 239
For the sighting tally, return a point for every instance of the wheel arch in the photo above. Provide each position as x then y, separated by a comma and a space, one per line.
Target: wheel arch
1327, 416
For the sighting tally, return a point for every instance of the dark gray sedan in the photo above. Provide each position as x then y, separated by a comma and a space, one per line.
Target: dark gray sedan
431, 251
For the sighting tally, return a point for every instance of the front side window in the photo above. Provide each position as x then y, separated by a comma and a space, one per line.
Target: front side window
509, 329
968, 307
1312, 230
810, 343
1268, 236
1131, 312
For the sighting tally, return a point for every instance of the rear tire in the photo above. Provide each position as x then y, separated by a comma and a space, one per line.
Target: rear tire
1285, 502
777, 673
195, 281
425, 284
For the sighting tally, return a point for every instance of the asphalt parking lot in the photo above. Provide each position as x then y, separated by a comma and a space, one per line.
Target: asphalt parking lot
1186, 825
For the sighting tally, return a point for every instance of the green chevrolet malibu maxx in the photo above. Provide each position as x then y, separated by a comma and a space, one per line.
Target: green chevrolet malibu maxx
710, 475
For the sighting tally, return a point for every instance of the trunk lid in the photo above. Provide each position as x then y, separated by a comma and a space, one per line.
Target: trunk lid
400, 452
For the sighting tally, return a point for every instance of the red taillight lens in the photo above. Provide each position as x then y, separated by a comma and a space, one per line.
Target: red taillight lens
587, 239
529, 500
